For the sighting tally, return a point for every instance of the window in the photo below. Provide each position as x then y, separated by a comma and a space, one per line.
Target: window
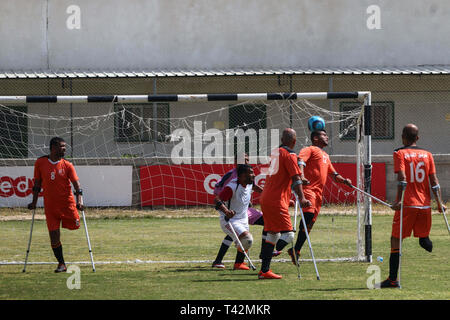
382, 120
137, 123
13, 132
247, 117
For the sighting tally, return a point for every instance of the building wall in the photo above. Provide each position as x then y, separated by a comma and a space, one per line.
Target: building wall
249, 34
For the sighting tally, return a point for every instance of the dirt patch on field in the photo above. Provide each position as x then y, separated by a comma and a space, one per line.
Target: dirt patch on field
20, 214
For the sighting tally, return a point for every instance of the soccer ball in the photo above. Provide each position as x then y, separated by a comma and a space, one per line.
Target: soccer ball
316, 123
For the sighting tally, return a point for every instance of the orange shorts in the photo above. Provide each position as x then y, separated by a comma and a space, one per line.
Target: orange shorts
67, 217
414, 219
276, 219
316, 204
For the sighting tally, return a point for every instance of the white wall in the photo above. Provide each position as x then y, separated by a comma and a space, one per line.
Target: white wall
99, 183
221, 34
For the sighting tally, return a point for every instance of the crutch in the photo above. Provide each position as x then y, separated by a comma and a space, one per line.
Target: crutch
240, 244
372, 196
437, 190
307, 236
88, 240
403, 186
29, 241
293, 249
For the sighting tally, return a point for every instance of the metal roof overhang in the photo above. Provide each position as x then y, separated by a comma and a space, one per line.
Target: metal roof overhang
51, 74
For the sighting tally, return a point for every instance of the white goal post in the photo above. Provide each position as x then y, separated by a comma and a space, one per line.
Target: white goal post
365, 161
361, 95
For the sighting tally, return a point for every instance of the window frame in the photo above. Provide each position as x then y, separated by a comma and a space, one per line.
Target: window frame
142, 137
385, 103
23, 108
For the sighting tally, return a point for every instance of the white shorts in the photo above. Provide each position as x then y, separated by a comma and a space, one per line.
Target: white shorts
239, 226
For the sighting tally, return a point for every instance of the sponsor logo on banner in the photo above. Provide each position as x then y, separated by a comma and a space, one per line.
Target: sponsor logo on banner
210, 182
20, 186
102, 185
193, 184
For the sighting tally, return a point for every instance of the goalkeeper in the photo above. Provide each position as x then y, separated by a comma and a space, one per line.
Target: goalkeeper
232, 203
254, 216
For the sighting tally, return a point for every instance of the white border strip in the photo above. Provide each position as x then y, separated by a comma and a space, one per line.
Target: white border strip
183, 97
138, 261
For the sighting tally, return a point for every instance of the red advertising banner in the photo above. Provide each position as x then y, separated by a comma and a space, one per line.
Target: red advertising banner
193, 184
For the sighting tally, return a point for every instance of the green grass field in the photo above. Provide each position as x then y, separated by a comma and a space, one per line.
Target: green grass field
185, 236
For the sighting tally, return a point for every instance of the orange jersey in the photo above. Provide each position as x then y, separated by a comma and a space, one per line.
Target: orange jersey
418, 165
56, 178
317, 168
277, 188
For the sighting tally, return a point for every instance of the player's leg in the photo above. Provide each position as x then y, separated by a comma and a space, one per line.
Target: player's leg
310, 219
53, 220
68, 219
285, 239
241, 230
226, 243
246, 240
274, 222
426, 243
266, 256
394, 257
255, 217
260, 222
310, 214
243, 241
422, 229
55, 242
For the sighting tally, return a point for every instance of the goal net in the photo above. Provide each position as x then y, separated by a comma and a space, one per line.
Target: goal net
163, 154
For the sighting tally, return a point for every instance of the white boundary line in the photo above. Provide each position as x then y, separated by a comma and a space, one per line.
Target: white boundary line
138, 261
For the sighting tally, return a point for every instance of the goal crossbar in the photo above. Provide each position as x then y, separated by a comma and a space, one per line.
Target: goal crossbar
183, 97
363, 96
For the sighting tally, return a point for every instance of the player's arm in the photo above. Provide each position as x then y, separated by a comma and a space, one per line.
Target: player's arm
257, 188
220, 200
298, 189
337, 177
78, 194
401, 177
340, 179
35, 190
302, 165
399, 169
434, 183
301, 161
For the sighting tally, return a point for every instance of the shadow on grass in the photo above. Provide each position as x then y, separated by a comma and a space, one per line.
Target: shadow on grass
336, 289
232, 278
194, 269
230, 275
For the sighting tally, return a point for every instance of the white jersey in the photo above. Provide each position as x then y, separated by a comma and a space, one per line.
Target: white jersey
240, 200
239, 204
